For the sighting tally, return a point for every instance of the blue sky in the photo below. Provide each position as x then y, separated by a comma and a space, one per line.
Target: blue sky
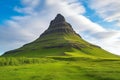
22, 21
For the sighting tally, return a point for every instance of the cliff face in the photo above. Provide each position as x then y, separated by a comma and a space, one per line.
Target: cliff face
59, 25
58, 40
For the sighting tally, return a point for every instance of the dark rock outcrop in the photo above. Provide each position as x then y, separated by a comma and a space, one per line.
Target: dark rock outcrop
59, 25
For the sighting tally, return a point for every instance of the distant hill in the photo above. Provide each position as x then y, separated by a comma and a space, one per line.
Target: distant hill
59, 40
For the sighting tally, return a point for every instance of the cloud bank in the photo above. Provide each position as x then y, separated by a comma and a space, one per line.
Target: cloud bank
109, 10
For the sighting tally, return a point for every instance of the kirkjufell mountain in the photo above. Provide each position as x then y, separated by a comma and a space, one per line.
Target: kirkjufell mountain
59, 40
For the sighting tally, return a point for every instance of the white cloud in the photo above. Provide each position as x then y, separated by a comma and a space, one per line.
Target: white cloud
106, 40
105, 34
31, 3
81, 23
23, 29
29, 6
109, 10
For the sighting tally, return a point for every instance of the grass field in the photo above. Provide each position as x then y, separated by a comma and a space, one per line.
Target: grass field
60, 68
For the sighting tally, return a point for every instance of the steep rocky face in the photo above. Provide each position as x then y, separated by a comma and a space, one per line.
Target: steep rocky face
59, 25
59, 18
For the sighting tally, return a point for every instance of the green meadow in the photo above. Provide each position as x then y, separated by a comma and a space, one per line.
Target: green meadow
59, 68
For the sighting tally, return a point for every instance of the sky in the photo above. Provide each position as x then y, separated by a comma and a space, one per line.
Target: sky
97, 21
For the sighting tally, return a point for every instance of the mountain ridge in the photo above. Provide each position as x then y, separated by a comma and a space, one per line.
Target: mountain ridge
59, 24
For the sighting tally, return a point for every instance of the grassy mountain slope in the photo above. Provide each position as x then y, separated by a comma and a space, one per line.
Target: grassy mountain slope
59, 45
59, 40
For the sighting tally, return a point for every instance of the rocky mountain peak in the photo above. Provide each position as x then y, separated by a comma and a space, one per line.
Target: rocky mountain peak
59, 25
58, 19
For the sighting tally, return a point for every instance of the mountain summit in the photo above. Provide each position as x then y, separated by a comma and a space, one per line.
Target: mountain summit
59, 40
59, 25
58, 18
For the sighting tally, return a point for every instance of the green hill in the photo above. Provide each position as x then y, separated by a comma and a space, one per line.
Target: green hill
59, 40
